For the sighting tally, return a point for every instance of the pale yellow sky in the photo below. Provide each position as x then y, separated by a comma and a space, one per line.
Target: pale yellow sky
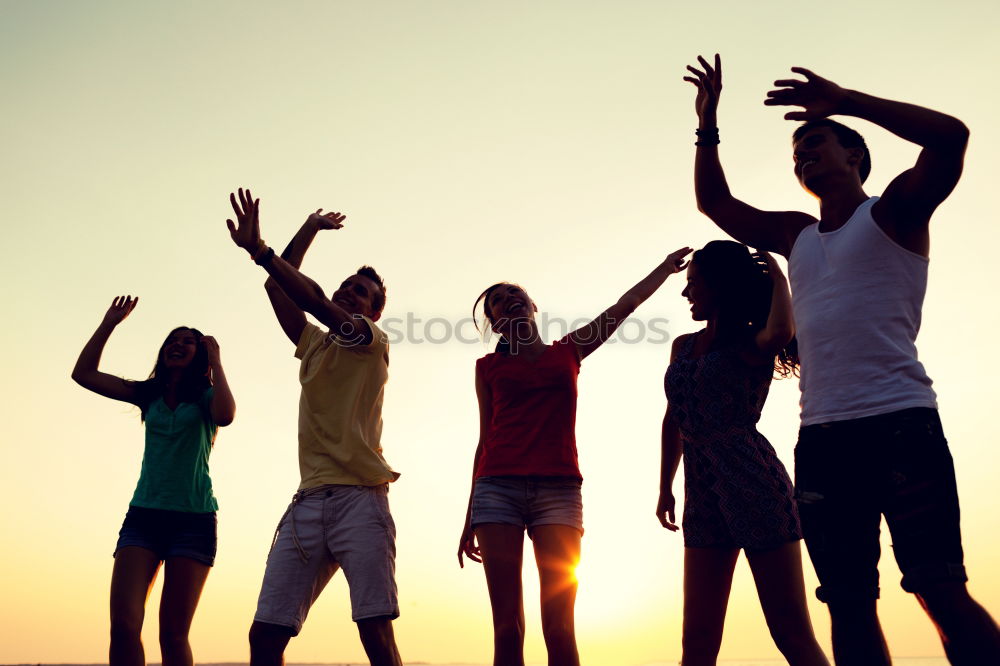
546, 143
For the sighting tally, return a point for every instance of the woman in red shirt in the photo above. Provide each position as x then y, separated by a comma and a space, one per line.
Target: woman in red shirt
525, 473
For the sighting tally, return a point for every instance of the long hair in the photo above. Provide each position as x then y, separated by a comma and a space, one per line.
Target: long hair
742, 288
194, 381
503, 346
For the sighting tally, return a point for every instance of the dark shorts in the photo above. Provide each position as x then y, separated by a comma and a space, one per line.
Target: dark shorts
170, 533
528, 501
848, 474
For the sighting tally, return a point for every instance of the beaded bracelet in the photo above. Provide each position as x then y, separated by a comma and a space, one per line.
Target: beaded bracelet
707, 137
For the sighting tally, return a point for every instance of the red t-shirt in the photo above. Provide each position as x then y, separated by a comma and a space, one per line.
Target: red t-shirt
532, 429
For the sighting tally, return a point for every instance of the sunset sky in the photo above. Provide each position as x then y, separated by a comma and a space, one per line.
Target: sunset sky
547, 143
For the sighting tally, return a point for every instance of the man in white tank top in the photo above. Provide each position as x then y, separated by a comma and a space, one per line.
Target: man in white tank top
871, 442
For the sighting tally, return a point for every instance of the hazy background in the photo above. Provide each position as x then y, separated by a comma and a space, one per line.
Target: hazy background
548, 143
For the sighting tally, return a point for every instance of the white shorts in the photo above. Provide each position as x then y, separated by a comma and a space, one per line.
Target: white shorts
326, 528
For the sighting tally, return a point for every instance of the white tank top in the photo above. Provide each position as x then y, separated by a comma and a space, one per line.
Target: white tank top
857, 296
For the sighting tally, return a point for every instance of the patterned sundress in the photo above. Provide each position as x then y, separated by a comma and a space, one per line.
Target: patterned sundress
737, 493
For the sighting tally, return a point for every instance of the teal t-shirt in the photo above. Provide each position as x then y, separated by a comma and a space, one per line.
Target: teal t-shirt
174, 473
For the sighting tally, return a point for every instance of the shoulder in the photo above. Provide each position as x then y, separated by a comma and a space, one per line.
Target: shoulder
679, 343
307, 338
569, 346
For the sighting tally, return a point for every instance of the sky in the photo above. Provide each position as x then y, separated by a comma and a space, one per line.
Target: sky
549, 144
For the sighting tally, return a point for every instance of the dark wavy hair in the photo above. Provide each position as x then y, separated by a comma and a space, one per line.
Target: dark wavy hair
847, 137
503, 346
194, 382
742, 288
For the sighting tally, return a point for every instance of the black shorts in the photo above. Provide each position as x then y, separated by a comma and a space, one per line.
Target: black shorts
170, 533
848, 474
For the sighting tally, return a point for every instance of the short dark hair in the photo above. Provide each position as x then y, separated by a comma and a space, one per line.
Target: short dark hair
847, 138
378, 299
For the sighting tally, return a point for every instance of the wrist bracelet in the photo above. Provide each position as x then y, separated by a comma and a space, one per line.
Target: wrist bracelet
707, 137
259, 252
266, 257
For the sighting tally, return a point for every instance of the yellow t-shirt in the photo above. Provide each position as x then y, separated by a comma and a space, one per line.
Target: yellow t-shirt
340, 409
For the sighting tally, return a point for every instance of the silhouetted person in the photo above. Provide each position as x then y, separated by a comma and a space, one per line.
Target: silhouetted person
737, 494
171, 518
871, 442
525, 471
339, 518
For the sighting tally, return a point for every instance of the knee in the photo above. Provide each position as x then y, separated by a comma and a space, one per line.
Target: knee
268, 638
945, 599
509, 631
126, 626
376, 632
173, 640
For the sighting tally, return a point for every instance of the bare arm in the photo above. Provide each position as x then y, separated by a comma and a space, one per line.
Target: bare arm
223, 405
597, 332
304, 292
769, 230
912, 197
290, 316
467, 544
86, 373
780, 326
671, 450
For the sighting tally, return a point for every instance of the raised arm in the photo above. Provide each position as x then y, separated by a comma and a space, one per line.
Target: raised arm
304, 292
85, 372
223, 405
671, 450
911, 197
596, 333
769, 230
290, 316
467, 543
780, 327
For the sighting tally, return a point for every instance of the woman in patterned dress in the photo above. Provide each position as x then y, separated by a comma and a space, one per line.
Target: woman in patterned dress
737, 494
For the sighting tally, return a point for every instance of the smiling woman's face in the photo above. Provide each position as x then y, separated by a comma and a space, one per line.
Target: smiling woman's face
506, 304
180, 348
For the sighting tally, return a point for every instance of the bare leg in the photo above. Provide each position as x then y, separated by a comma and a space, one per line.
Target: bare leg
778, 576
967, 630
268, 643
857, 634
502, 547
131, 580
379, 641
183, 581
557, 552
708, 577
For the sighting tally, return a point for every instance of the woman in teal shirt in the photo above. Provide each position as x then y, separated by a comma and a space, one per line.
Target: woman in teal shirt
171, 518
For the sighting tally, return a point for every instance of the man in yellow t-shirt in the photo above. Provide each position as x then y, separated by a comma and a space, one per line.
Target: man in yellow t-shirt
339, 518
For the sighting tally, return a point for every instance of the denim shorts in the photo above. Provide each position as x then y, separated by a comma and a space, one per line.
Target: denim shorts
528, 501
170, 533
848, 474
324, 529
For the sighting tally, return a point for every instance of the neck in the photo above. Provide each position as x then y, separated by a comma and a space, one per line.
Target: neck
174, 376
837, 206
525, 339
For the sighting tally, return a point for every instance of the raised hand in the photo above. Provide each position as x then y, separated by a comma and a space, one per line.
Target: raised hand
246, 232
675, 260
467, 546
212, 349
817, 96
120, 308
665, 510
708, 80
326, 220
